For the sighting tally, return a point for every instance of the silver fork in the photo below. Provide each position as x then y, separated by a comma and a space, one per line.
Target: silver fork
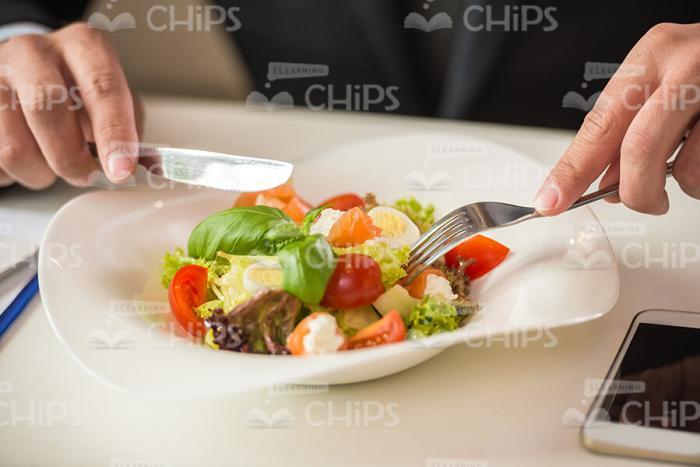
471, 219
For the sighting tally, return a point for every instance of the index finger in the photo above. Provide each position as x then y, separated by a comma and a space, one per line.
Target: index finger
96, 70
597, 142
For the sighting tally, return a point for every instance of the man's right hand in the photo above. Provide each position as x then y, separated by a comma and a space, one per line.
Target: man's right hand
58, 91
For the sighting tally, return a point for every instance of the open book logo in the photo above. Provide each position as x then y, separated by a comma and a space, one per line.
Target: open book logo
259, 100
415, 20
120, 340
574, 100
123, 20
597, 259
258, 418
421, 182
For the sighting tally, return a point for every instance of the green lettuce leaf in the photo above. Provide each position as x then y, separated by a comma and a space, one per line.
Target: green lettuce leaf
177, 259
256, 230
430, 317
391, 260
422, 216
307, 266
205, 310
174, 261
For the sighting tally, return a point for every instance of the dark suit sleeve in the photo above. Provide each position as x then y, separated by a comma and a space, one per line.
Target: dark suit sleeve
47, 12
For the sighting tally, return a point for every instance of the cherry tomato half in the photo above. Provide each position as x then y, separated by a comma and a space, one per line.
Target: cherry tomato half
356, 281
284, 192
353, 228
385, 331
345, 202
187, 291
486, 253
416, 288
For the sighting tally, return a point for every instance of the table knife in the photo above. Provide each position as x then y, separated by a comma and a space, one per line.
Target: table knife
212, 169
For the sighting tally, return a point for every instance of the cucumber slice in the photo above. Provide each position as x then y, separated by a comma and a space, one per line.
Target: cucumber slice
396, 298
352, 320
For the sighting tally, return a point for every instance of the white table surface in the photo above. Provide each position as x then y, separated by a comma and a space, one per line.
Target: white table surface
488, 406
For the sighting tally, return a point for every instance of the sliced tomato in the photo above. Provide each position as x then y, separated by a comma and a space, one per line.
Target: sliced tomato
356, 281
295, 341
187, 291
345, 202
416, 288
282, 194
353, 228
385, 331
485, 252
296, 208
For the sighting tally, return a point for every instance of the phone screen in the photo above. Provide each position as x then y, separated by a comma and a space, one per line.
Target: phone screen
658, 382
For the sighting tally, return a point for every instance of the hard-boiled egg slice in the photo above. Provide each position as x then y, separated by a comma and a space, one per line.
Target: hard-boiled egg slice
262, 275
323, 223
396, 226
248, 275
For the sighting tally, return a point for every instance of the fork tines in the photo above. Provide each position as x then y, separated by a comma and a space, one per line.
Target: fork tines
444, 235
459, 225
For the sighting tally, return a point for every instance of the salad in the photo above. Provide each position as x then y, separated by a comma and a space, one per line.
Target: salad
274, 275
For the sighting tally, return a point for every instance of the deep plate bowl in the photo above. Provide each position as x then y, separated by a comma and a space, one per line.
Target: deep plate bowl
100, 261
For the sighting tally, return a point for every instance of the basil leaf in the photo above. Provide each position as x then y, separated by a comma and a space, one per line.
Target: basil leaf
310, 218
281, 235
307, 265
239, 231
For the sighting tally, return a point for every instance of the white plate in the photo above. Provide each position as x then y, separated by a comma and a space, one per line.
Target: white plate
104, 300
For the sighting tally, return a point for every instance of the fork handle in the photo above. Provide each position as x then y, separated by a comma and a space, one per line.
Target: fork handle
607, 191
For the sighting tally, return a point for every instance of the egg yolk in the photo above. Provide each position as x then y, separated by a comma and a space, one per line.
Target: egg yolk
391, 224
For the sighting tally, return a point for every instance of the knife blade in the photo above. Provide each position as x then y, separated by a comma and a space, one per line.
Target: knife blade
212, 169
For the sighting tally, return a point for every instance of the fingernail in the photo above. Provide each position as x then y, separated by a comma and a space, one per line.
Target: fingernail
119, 165
547, 198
